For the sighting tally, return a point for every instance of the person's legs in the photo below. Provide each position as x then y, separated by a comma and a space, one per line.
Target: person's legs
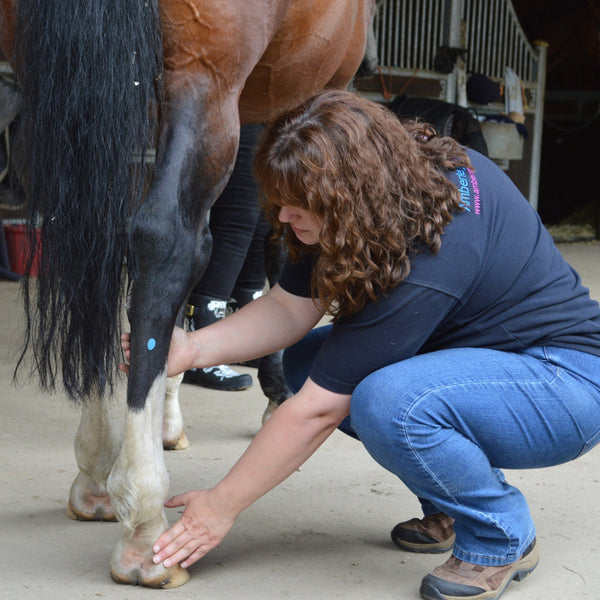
251, 281
233, 221
444, 422
298, 359
253, 273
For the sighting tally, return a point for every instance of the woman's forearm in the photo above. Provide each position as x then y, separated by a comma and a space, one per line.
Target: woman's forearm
284, 443
266, 325
296, 429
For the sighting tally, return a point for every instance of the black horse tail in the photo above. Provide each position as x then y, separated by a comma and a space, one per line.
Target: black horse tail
90, 72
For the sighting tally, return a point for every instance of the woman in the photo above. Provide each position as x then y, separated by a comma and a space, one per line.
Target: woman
461, 341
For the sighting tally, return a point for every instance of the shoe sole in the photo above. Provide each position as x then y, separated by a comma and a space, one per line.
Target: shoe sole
220, 388
523, 567
425, 548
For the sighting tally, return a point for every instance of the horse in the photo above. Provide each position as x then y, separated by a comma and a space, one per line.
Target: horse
101, 82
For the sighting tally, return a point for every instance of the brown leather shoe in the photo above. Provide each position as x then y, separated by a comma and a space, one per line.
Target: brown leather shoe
456, 579
432, 534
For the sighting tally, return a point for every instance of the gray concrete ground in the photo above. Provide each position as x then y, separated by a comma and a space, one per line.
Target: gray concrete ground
324, 533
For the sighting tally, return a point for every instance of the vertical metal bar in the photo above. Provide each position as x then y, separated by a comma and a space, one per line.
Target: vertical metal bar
393, 25
396, 39
390, 27
538, 120
504, 21
510, 42
487, 46
492, 39
498, 38
455, 15
416, 34
401, 18
409, 33
468, 16
426, 34
480, 33
433, 31
404, 60
523, 51
381, 34
478, 38
418, 22
440, 24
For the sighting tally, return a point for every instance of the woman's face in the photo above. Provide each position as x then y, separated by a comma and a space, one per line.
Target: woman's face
303, 223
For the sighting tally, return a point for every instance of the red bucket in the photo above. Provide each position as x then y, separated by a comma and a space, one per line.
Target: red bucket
18, 246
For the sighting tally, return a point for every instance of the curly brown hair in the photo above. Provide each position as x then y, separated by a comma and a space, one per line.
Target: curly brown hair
377, 186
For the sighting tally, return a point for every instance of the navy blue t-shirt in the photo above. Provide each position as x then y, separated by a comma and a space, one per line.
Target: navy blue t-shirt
497, 282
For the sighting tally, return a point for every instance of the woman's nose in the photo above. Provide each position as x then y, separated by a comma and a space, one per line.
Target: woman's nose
285, 214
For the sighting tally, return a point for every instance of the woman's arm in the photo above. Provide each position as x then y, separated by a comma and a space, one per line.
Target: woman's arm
267, 324
296, 429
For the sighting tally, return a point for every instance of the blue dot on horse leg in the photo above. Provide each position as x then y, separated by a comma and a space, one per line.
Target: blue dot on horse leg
151, 344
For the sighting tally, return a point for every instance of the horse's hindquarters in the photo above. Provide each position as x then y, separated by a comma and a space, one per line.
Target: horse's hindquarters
329, 40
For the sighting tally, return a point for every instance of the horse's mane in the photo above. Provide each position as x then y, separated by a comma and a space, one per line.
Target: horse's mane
90, 73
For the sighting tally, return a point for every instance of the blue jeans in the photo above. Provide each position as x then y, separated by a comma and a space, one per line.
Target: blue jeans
446, 423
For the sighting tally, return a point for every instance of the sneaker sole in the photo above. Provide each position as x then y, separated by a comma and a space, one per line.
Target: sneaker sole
523, 567
425, 548
218, 387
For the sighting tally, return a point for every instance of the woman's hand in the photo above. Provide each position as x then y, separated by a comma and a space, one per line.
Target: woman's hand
180, 353
202, 526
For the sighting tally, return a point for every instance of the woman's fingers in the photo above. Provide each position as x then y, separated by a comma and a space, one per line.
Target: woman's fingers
178, 500
201, 527
126, 347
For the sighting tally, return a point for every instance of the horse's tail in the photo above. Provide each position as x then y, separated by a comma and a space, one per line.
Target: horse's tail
90, 73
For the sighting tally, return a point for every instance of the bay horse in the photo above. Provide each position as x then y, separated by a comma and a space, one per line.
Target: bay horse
102, 81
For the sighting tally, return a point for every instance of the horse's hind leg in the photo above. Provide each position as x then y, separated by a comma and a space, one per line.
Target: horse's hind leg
173, 435
272, 382
270, 368
139, 482
97, 444
170, 245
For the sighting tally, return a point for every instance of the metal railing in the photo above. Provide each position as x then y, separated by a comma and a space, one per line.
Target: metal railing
409, 33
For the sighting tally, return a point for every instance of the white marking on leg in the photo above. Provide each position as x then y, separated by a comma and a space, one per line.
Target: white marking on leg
97, 443
139, 482
173, 419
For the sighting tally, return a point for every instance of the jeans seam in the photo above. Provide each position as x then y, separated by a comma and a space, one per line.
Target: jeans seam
504, 528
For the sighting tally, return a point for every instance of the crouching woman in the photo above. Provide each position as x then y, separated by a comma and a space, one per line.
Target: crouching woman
461, 341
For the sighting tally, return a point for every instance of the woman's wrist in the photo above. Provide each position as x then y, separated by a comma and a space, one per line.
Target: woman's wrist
227, 500
192, 352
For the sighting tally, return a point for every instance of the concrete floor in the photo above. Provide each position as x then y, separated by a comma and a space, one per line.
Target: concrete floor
323, 534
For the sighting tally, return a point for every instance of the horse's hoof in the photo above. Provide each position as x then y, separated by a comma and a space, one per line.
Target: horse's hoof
97, 512
269, 411
181, 443
156, 576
